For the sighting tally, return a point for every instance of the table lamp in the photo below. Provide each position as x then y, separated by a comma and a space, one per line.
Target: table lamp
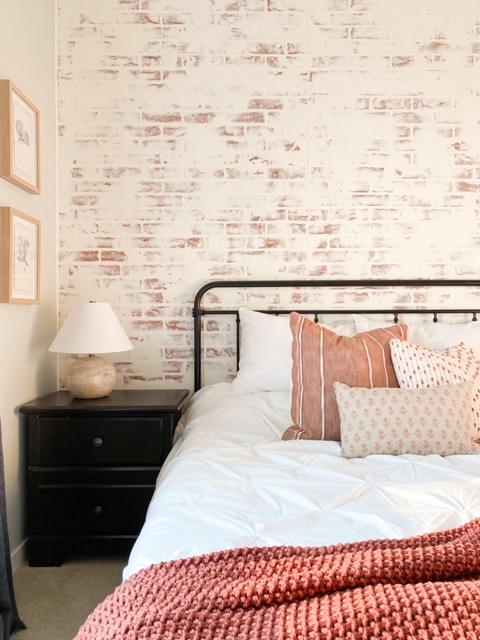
91, 328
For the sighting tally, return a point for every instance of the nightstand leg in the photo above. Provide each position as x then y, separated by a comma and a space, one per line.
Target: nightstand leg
45, 552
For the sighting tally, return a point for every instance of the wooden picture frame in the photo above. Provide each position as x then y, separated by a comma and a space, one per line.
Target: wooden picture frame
20, 237
19, 139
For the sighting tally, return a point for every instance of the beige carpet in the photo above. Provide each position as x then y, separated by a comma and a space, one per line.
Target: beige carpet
54, 601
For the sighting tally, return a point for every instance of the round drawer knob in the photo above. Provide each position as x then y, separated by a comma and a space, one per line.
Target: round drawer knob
97, 442
97, 511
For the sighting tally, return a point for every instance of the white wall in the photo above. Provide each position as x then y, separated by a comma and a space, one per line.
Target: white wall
27, 58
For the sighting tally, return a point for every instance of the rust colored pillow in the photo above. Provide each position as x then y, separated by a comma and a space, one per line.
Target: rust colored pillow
322, 357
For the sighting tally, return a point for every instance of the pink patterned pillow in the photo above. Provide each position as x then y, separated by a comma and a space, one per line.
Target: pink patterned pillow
322, 357
418, 367
434, 420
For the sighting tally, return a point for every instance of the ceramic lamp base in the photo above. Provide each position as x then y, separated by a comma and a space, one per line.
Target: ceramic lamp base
91, 377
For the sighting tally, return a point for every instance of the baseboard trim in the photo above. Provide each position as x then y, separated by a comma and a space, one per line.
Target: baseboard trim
19, 556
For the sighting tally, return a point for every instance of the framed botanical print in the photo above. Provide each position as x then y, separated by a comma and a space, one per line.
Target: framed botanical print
19, 257
19, 139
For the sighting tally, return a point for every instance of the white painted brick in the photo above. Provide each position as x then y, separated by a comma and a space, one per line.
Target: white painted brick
203, 139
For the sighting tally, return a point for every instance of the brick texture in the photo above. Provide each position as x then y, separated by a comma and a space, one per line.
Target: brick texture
211, 139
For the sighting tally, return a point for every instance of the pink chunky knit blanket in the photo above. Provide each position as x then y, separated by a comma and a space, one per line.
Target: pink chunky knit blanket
423, 587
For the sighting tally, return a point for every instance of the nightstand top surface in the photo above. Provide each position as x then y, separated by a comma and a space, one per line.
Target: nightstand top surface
146, 400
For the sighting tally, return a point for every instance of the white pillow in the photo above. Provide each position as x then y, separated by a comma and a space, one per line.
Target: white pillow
440, 335
417, 367
366, 324
266, 352
433, 335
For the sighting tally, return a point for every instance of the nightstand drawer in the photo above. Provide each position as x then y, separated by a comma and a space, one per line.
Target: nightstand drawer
91, 441
91, 509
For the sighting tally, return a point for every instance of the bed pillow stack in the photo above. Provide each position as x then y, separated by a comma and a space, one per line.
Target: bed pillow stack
389, 389
449, 425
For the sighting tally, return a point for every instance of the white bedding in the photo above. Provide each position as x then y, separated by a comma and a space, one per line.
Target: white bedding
231, 481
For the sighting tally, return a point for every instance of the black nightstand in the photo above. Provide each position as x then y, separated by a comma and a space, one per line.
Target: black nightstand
93, 466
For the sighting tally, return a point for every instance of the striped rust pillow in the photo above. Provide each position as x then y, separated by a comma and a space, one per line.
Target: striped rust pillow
322, 357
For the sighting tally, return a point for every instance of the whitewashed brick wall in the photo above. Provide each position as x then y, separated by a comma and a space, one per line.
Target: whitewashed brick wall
211, 139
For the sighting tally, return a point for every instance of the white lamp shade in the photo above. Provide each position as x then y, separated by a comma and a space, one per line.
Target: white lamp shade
91, 327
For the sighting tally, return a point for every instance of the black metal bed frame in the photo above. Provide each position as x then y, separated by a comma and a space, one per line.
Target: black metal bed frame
200, 311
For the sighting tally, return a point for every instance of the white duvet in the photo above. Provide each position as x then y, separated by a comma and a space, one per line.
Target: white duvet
231, 481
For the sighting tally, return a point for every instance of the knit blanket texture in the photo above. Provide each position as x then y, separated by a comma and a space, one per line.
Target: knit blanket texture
422, 587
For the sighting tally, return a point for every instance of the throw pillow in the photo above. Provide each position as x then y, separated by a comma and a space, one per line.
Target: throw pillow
435, 420
418, 367
322, 357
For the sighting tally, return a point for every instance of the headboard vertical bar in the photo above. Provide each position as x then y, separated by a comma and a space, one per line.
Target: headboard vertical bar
197, 350
237, 338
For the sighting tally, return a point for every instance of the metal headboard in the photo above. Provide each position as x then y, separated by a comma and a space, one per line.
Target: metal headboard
200, 310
